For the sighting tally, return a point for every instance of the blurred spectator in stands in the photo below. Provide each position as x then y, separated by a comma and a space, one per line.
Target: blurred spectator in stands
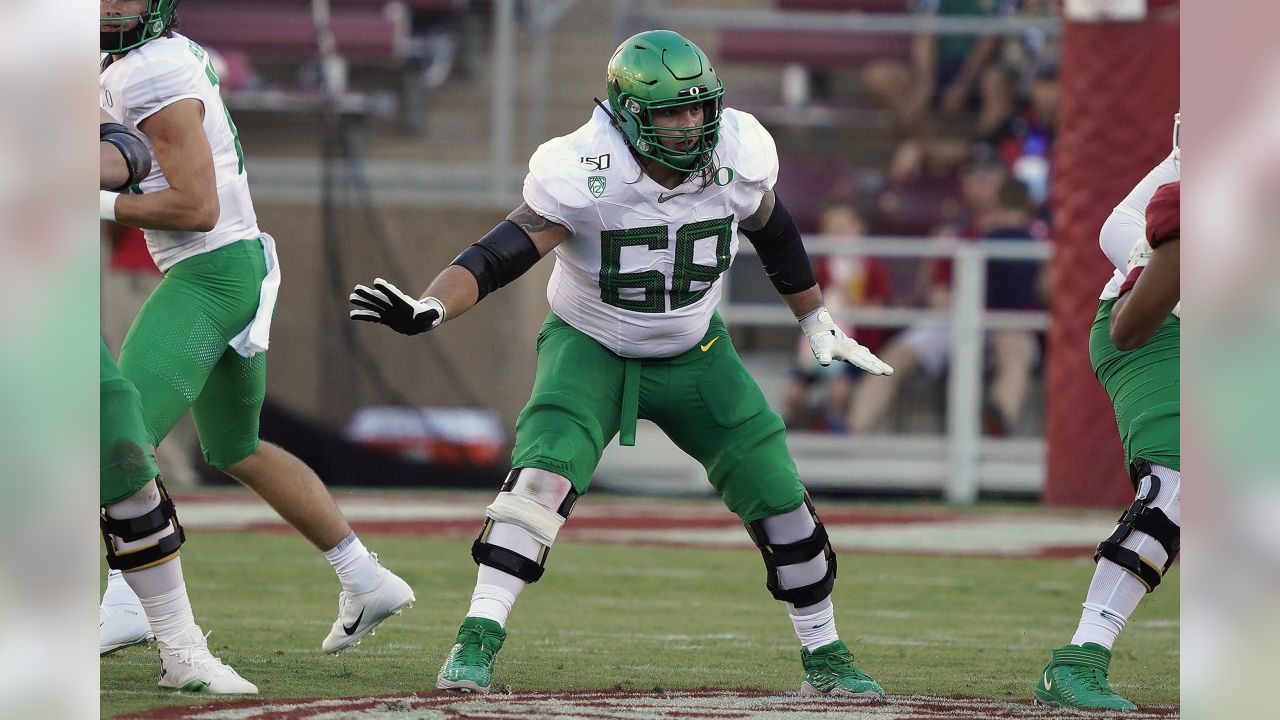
1017, 95
1011, 284
949, 74
1023, 141
817, 398
127, 281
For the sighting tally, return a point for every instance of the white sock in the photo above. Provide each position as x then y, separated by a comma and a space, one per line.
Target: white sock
118, 591
492, 602
495, 594
356, 568
1113, 596
817, 627
170, 612
1115, 593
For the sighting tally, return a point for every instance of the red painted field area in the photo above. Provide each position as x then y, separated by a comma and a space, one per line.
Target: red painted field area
717, 704
694, 523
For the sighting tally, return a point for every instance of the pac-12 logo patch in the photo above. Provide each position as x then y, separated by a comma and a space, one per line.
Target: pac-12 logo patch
595, 184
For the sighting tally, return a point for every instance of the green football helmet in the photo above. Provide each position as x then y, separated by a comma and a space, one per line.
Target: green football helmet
661, 69
151, 25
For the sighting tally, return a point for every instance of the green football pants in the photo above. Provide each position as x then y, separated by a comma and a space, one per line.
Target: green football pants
703, 399
176, 352
1144, 388
126, 460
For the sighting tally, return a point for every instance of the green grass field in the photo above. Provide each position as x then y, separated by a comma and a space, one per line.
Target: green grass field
644, 618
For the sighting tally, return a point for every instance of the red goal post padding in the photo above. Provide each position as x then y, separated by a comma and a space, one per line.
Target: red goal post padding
1119, 92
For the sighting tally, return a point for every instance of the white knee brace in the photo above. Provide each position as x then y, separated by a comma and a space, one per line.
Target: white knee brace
522, 522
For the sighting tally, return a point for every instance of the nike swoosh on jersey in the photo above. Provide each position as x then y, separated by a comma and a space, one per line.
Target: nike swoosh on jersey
348, 629
664, 197
708, 345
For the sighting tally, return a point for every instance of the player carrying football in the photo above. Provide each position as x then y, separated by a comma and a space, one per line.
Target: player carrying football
1134, 348
642, 206
200, 342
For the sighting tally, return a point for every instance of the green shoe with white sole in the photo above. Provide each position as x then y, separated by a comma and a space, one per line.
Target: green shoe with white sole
469, 667
1076, 677
829, 670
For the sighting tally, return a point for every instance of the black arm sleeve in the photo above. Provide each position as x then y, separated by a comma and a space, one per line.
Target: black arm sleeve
496, 259
782, 252
137, 157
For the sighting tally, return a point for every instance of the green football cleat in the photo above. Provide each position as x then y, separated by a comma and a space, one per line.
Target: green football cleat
469, 666
1076, 677
829, 670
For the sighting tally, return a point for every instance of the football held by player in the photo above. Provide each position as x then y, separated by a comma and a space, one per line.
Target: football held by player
200, 340
642, 207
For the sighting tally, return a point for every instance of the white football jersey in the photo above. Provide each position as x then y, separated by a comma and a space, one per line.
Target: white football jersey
1128, 222
640, 273
153, 77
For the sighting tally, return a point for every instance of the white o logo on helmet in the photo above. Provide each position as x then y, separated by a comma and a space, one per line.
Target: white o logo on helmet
695, 90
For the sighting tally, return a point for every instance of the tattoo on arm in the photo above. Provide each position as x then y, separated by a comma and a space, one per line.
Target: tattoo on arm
530, 221
761, 215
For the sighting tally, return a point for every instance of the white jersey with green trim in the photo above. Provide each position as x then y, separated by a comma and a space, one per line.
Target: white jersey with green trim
153, 77
640, 272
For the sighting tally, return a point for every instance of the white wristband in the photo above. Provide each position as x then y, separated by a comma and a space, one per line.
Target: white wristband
107, 205
813, 318
432, 302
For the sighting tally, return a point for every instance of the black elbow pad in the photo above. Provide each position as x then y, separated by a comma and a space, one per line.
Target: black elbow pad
496, 259
137, 156
782, 252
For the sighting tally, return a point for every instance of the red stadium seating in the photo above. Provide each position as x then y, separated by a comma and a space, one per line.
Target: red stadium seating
870, 6
918, 207
832, 49
806, 186
235, 70
285, 32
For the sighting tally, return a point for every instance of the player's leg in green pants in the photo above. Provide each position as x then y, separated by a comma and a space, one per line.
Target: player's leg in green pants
176, 352
125, 448
572, 414
710, 406
1144, 389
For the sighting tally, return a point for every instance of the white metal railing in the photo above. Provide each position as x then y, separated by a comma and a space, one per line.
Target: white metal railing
960, 464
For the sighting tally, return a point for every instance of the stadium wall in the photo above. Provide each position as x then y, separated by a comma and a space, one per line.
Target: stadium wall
1119, 95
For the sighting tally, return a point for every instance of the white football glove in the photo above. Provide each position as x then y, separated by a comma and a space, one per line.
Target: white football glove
384, 303
1139, 255
829, 342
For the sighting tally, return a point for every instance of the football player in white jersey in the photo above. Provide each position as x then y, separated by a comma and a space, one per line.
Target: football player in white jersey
1135, 350
200, 340
642, 207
